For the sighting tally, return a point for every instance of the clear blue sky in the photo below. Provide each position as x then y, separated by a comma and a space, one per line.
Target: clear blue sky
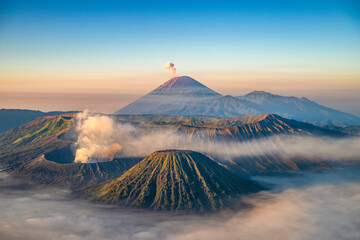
270, 42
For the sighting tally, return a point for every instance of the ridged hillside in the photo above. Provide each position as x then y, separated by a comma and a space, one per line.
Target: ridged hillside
250, 127
174, 180
30, 140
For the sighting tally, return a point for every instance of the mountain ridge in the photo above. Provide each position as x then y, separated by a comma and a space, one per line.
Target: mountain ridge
249, 142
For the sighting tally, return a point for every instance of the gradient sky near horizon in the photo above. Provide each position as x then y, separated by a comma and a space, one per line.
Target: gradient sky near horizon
66, 55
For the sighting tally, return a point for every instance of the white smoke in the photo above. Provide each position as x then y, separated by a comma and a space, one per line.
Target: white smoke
96, 137
101, 138
170, 66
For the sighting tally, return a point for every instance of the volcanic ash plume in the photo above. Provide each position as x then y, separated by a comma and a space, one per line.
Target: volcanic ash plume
170, 66
96, 138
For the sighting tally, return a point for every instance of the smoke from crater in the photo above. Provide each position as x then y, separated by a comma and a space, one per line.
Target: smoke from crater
170, 66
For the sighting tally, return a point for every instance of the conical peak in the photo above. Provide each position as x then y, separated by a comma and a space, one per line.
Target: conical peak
174, 180
184, 85
182, 81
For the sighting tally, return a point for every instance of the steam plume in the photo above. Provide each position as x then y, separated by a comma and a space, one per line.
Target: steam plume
170, 66
95, 139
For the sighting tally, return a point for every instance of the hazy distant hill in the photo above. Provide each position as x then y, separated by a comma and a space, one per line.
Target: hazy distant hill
186, 96
10, 118
301, 109
174, 180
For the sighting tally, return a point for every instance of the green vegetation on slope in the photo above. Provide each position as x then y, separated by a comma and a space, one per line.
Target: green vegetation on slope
32, 139
174, 180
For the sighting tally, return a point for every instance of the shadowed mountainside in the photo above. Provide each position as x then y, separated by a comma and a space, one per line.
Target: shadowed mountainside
174, 180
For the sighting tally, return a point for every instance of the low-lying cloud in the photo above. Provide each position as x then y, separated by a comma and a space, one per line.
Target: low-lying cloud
101, 138
320, 210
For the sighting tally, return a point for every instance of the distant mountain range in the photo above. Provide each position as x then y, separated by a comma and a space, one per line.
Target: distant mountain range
186, 96
301, 109
174, 180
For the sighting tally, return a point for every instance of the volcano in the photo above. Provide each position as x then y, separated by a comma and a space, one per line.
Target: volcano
184, 86
178, 96
174, 180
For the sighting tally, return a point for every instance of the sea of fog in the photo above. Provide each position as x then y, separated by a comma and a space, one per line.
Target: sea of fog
309, 206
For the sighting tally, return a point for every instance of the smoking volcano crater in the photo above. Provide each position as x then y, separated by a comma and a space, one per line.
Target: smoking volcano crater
42, 152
